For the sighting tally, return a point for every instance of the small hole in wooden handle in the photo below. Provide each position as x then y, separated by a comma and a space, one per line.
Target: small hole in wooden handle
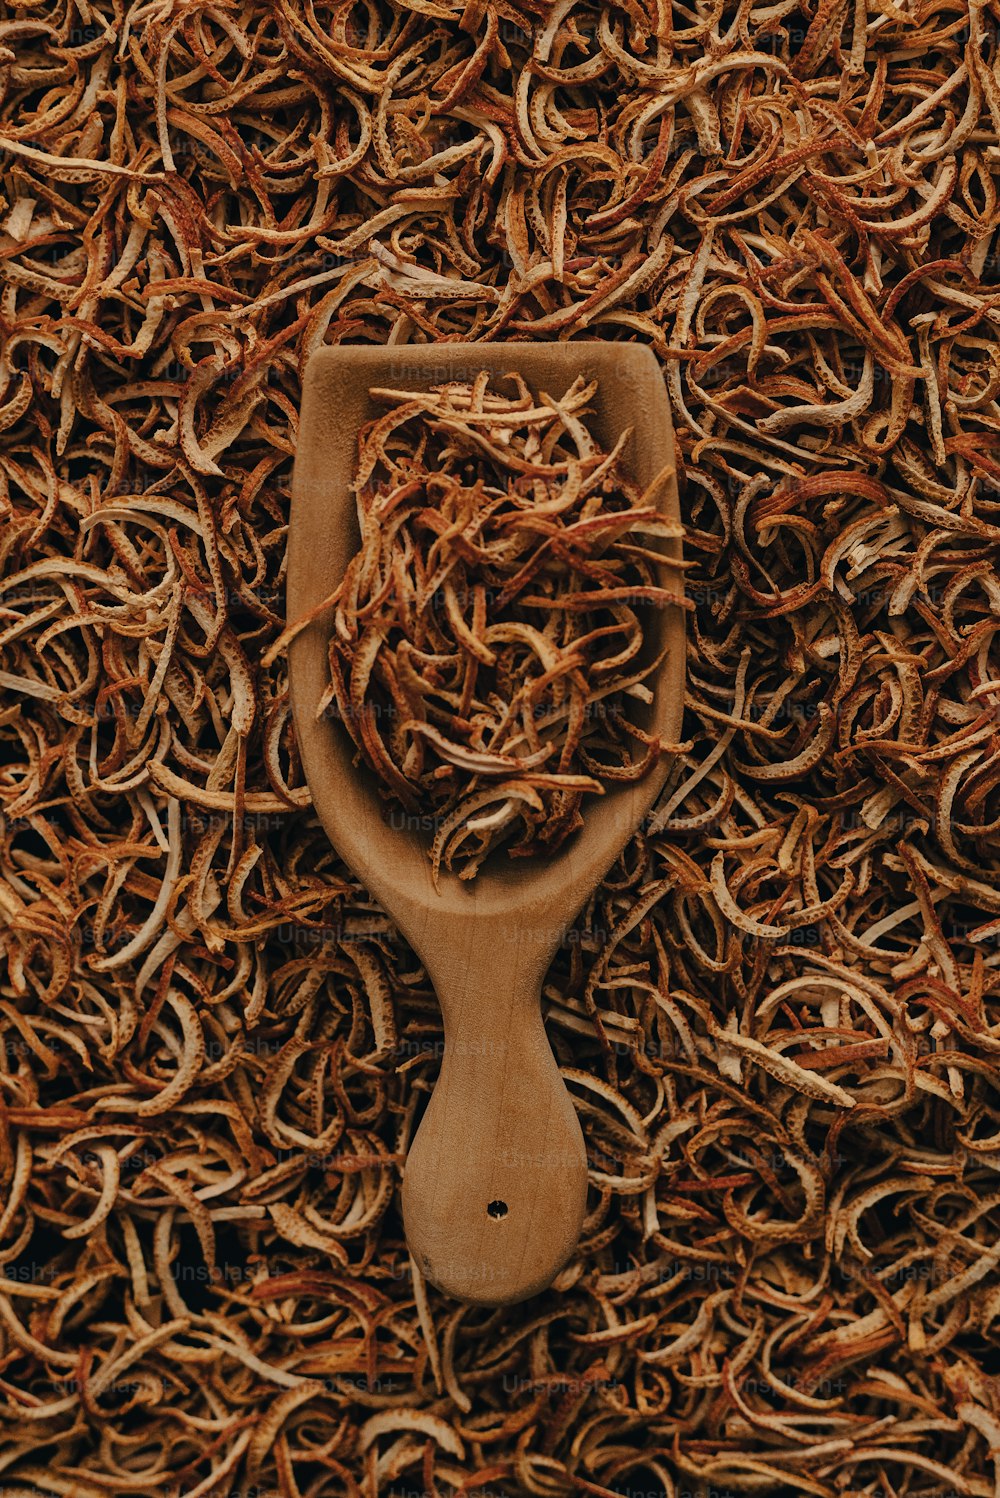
497, 1209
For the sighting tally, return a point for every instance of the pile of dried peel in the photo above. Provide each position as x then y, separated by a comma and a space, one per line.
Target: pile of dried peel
486, 651
779, 1015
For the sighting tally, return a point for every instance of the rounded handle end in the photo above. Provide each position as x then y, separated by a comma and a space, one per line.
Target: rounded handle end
495, 1184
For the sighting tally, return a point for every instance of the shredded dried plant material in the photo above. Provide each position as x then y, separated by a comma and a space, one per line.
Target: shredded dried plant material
778, 1015
488, 631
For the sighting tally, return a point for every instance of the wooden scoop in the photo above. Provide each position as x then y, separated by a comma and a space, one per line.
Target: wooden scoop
495, 1182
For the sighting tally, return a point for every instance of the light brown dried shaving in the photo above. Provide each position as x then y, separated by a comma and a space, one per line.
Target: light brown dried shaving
788, 1280
490, 635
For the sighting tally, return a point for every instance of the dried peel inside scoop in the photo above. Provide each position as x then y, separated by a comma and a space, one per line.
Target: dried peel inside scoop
488, 655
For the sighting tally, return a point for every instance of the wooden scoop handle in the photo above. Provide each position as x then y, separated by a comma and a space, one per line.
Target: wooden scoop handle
495, 1183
